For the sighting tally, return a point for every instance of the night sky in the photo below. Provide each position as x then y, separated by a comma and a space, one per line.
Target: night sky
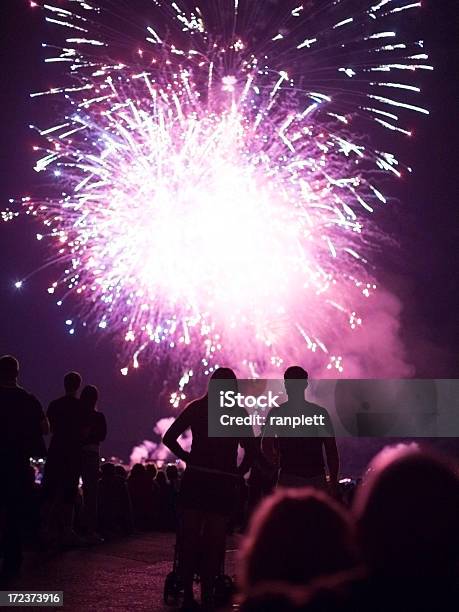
421, 269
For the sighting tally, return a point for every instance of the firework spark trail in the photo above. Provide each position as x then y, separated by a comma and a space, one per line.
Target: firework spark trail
215, 193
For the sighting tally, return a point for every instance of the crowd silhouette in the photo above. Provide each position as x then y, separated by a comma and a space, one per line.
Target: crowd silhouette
310, 543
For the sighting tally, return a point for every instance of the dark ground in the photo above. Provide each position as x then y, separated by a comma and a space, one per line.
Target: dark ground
124, 575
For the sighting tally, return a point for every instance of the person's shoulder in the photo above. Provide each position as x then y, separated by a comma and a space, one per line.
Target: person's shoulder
57, 406
17, 391
29, 402
195, 411
276, 409
53, 404
63, 400
196, 404
29, 397
13, 393
317, 408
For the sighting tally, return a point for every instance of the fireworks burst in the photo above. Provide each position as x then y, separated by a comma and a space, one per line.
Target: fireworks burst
215, 187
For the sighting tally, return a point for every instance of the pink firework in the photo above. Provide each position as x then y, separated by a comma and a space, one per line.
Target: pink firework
216, 192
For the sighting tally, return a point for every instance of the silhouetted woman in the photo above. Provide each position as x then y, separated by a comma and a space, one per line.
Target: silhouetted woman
208, 492
94, 431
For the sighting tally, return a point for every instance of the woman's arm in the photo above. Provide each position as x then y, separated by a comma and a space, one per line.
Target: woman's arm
178, 427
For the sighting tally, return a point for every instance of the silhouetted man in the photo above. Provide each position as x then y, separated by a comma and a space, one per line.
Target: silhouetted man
300, 453
22, 426
62, 468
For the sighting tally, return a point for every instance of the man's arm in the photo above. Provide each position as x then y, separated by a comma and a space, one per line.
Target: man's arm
270, 450
269, 443
331, 450
178, 427
50, 418
41, 417
248, 444
45, 429
331, 453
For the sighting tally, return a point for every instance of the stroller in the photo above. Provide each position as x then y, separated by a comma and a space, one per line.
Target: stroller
173, 588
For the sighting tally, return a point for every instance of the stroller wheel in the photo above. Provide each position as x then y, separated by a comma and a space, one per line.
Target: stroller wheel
172, 589
224, 589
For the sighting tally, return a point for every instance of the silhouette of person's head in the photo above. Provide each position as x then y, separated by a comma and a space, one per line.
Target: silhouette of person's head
172, 472
137, 471
89, 397
295, 536
226, 380
161, 479
407, 513
72, 382
151, 470
296, 382
120, 472
9, 369
223, 374
108, 470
